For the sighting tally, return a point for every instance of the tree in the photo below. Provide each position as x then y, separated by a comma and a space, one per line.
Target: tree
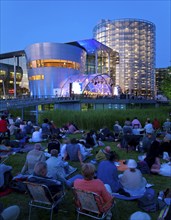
166, 86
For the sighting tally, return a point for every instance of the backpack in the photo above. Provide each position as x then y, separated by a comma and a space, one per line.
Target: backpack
5, 176
7, 179
149, 202
18, 185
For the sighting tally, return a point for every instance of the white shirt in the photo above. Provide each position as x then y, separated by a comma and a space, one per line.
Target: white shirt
149, 128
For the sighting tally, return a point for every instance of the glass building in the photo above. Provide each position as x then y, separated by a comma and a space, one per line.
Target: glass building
63, 69
13, 74
134, 40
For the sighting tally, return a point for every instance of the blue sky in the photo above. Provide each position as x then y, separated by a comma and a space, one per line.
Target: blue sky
25, 22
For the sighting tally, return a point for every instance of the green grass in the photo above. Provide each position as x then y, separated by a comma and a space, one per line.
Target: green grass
67, 211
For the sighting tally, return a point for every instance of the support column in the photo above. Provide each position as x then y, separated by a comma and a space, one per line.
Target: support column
22, 113
3, 86
15, 92
36, 114
96, 62
109, 63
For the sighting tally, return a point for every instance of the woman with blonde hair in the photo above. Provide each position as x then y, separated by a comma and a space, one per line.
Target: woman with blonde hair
93, 185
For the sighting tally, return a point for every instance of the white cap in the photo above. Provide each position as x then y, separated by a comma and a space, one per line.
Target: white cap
140, 216
131, 163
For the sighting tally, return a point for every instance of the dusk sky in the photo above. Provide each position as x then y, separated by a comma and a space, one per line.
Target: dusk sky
26, 22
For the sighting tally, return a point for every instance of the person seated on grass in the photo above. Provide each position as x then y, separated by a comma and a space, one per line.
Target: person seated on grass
147, 140
64, 143
46, 132
21, 137
117, 130
91, 139
156, 124
36, 135
165, 145
167, 125
148, 128
29, 129
106, 135
9, 213
85, 152
72, 128
132, 180
107, 172
128, 122
136, 123
94, 185
13, 129
4, 126
32, 158
53, 143
153, 157
73, 151
127, 129
57, 167
103, 154
40, 176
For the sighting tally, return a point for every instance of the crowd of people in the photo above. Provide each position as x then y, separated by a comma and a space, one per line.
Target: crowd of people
49, 163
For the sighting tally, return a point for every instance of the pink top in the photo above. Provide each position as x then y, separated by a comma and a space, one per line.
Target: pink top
136, 122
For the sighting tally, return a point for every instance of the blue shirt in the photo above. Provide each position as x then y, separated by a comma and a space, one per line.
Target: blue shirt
108, 174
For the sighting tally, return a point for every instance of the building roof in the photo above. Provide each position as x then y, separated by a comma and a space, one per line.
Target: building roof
91, 45
18, 53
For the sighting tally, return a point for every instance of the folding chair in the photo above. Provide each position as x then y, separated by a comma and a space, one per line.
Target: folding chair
90, 204
41, 197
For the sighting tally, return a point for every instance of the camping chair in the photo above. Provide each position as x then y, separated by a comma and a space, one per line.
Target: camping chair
90, 204
41, 197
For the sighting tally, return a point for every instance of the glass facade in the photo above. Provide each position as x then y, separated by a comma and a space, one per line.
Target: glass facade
134, 40
21, 62
8, 81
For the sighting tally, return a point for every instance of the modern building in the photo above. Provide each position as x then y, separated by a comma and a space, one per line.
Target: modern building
134, 40
16, 77
56, 69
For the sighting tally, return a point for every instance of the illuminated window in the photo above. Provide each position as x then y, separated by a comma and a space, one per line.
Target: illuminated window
53, 63
36, 77
2, 72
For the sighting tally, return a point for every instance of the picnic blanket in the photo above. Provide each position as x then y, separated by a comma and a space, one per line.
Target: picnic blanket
165, 169
119, 196
121, 166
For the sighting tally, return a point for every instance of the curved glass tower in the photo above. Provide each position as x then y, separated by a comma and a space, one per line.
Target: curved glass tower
134, 40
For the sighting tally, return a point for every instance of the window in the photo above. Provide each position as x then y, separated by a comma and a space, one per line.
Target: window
36, 77
53, 63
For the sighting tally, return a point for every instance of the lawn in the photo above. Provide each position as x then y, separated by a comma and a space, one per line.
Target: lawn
66, 209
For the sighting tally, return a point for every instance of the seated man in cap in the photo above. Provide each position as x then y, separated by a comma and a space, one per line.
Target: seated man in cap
132, 180
140, 216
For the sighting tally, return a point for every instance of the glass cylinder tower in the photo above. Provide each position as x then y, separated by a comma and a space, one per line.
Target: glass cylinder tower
134, 40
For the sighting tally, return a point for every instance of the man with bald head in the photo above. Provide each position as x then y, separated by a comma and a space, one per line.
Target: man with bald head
40, 176
103, 154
